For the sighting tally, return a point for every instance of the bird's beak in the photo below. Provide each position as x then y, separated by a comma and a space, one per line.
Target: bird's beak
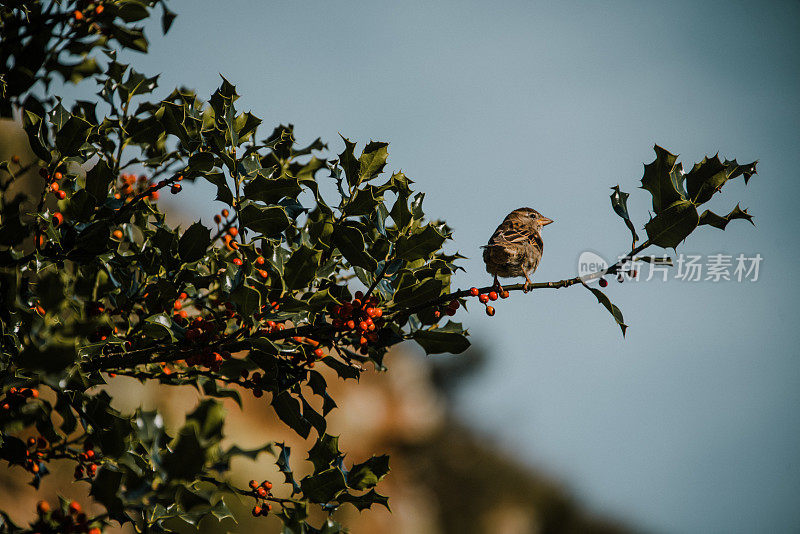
544, 221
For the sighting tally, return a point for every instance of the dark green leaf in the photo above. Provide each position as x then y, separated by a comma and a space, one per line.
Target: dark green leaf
301, 267
420, 245
350, 242
439, 342
613, 310
269, 221
673, 224
658, 180
710, 218
372, 160
288, 410
705, 179
364, 502
194, 242
247, 299
323, 487
71, 137
367, 474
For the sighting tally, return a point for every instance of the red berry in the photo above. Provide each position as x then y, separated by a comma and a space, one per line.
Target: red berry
57, 176
484, 298
437, 314
175, 189
489, 311
263, 274
256, 511
603, 282
493, 295
61, 195
217, 219
42, 507
260, 260
95, 530
474, 291
253, 484
74, 507
177, 305
262, 492
54, 187
225, 213
319, 353
233, 231
351, 324
237, 261
267, 484
504, 294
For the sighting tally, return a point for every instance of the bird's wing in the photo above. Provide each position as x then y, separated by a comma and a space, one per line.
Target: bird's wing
511, 232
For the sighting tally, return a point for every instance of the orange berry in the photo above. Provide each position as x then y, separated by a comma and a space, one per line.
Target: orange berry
253, 484
217, 219
319, 353
183, 313
61, 195
54, 187
237, 261
74, 507
474, 291
182, 296
484, 298
117, 234
437, 314
351, 324
95, 530
267, 484
40, 310
489, 311
260, 260
493, 295
177, 305
15, 159
256, 511
99, 9
225, 213
78, 15
42, 507
175, 189
233, 231
504, 294
262, 492
263, 274
57, 219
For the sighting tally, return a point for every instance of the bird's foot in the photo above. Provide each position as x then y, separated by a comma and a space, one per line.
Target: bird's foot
527, 286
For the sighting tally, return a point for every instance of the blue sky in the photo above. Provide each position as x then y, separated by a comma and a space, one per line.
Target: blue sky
689, 424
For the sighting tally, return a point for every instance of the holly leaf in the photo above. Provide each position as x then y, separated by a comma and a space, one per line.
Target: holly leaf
194, 242
325, 486
712, 219
364, 502
367, 474
672, 225
706, 178
658, 180
442, 341
269, 221
619, 202
613, 310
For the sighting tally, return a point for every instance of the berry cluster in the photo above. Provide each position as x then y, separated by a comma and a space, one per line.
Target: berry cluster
15, 397
261, 492
34, 454
129, 186
53, 182
491, 296
71, 520
448, 310
88, 458
360, 316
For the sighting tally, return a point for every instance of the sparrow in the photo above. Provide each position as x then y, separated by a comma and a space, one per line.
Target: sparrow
515, 248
